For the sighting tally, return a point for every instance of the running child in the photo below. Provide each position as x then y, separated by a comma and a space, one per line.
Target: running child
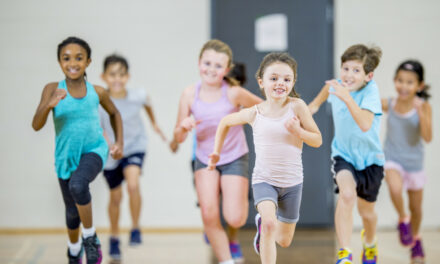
357, 154
129, 102
201, 107
80, 147
409, 123
280, 126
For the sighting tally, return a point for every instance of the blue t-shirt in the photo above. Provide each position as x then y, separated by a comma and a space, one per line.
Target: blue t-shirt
361, 149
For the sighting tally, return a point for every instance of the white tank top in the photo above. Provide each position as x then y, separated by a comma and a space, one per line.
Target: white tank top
278, 161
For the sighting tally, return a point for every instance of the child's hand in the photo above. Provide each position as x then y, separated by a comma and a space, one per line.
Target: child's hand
116, 151
57, 96
174, 146
189, 123
339, 90
293, 126
418, 103
213, 159
158, 131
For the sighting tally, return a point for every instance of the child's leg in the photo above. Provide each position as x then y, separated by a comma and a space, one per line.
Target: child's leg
131, 175
415, 207
284, 233
395, 187
232, 234
113, 210
235, 191
369, 219
72, 216
344, 208
89, 167
208, 194
268, 251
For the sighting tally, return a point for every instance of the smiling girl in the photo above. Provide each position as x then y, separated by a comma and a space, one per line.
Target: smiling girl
80, 147
202, 106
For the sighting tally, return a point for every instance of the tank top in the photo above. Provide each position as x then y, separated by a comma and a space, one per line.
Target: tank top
135, 137
77, 130
210, 115
403, 142
278, 161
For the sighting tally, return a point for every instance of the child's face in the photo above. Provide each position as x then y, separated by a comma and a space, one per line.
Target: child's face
407, 84
278, 80
213, 66
116, 77
353, 75
73, 61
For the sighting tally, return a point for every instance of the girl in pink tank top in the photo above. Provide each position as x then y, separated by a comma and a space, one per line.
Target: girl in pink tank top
280, 125
202, 106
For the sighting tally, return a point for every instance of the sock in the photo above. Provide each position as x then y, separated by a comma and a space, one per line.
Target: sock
227, 262
88, 232
74, 249
346, 248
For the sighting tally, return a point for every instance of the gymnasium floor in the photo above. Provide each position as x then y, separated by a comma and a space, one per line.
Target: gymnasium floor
309, 246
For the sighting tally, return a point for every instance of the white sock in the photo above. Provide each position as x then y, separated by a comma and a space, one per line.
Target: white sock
74, 249
88, 232
227, 262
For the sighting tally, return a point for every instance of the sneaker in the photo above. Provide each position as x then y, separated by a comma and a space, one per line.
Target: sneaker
405, 234
75, 259
92, 246
369, 254
344, 256
257, 235
135, 237
235, 249
417, 254
114, 253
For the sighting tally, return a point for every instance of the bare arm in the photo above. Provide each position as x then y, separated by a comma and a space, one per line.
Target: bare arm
304, 126
115, 121
150, 113
425, 116
243, 97
50, 97
362, 117
242, 117
319, 99
384, 103
184, 122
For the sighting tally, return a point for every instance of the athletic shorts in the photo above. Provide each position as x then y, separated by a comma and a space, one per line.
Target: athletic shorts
116, 176
287, 200
413, 181
239, 166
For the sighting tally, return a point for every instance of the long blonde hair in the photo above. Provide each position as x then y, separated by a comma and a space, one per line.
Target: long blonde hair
220, 47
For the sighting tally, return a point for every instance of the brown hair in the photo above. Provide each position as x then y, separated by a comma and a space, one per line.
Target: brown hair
278, 57
370, 57
220, 47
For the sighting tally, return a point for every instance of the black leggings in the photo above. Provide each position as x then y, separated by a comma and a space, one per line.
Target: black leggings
76, 189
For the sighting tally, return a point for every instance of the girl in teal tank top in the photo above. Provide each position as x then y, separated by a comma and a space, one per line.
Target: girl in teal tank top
80, 149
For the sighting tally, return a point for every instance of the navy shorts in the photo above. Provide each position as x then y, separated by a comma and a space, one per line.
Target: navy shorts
239, 166
368, 180
116, 176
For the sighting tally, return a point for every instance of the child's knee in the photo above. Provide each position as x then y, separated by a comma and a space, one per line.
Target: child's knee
80, 192
268, 226
348, 196
285, 242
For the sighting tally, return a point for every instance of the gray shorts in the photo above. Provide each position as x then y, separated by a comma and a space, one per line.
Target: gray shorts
238, 167
287, 200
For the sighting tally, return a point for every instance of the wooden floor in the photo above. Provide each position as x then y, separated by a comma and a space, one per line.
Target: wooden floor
309, 247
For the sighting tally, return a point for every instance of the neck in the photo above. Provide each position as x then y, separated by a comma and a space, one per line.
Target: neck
211, 86
405, 102
118, 94
276, 104
73, 83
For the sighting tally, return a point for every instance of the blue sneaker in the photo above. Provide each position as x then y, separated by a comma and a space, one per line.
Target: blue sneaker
344, 256
115, 252
92, 246
135, 237
75, 259
257, 235
236, 254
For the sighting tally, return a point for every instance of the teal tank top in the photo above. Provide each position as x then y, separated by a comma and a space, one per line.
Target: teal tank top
78, 130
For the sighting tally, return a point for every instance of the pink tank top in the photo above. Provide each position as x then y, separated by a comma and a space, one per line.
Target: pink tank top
210, 115
278, 161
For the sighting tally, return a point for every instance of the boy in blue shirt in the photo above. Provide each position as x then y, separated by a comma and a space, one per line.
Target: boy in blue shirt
357, 154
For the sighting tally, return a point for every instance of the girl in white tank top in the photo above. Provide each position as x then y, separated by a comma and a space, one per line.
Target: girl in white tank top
280, 126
